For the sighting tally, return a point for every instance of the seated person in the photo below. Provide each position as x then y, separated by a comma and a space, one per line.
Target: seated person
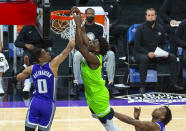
94, 31
173, 13
148, 36
180, 39
28, 39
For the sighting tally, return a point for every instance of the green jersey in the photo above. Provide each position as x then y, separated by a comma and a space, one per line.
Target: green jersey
92, 79
96, 93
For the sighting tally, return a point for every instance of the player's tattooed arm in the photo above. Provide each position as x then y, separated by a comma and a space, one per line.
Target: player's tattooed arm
24, 74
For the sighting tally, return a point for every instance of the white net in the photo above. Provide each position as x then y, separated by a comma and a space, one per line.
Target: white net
65, 28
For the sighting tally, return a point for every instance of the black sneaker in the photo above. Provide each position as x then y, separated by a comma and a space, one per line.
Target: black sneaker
74, 90
178, 88
113, 89
142, 90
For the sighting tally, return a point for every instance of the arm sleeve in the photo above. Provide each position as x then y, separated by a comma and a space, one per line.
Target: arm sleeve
138, 41
164, 11
179, 35
163, 43
117, 12
94, 3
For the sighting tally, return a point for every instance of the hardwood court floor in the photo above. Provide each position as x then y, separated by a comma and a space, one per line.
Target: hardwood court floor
79, 119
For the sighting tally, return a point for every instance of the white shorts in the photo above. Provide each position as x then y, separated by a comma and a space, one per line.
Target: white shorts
3, 63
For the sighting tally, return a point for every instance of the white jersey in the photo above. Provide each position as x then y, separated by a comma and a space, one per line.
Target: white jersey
3, 63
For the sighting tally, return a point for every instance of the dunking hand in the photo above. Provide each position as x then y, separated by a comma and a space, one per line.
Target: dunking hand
75, 10
78, 20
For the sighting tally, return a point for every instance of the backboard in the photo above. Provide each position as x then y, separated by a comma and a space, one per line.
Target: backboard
43, 19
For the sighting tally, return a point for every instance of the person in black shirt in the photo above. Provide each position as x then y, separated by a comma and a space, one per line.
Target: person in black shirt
28, 39
94, 31
113, 11
180, 39
148, 36
172, 13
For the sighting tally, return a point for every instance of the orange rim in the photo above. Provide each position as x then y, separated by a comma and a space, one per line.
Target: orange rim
57, 15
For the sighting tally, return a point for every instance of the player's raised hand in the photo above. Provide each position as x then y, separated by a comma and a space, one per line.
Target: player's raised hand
77, 19
71, 44
137, 112
74, 9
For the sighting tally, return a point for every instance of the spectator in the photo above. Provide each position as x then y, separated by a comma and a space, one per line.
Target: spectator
172, 13
94, 31
3, 66
113, 11
148, 36
28, 39
180, 39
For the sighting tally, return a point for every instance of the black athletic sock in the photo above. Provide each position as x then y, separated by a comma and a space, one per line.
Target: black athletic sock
29, 129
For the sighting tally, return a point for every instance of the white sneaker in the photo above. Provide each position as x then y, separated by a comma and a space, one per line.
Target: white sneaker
27, 85
1, 90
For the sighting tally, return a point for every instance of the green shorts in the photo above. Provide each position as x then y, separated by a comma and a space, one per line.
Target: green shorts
99, 102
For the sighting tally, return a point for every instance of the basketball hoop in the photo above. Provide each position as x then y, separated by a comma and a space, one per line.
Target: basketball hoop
62, 23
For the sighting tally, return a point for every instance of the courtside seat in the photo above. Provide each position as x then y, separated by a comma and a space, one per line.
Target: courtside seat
133, 65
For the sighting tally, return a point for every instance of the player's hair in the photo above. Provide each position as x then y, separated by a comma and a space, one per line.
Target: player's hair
151, 9
89, 9
104, 47
36, 52
168, 116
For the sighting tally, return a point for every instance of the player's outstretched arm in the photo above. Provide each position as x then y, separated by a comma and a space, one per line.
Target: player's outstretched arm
24, 74
145, 125
137, 112
89, 56
61, 57
76, 11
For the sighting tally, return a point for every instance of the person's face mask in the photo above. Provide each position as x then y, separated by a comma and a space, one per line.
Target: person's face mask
90, 19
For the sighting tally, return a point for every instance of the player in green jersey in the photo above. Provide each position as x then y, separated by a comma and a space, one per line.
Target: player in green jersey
96, 93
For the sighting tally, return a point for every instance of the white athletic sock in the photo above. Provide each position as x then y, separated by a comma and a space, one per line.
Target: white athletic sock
27, 85
110, 126
1, 86
27, 102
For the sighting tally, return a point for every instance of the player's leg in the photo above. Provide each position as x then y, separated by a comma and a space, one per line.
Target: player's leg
1, 86
77, 72
46, 115
27, 83
29, 129
109, 62
100, 108
107, 121
32, 117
